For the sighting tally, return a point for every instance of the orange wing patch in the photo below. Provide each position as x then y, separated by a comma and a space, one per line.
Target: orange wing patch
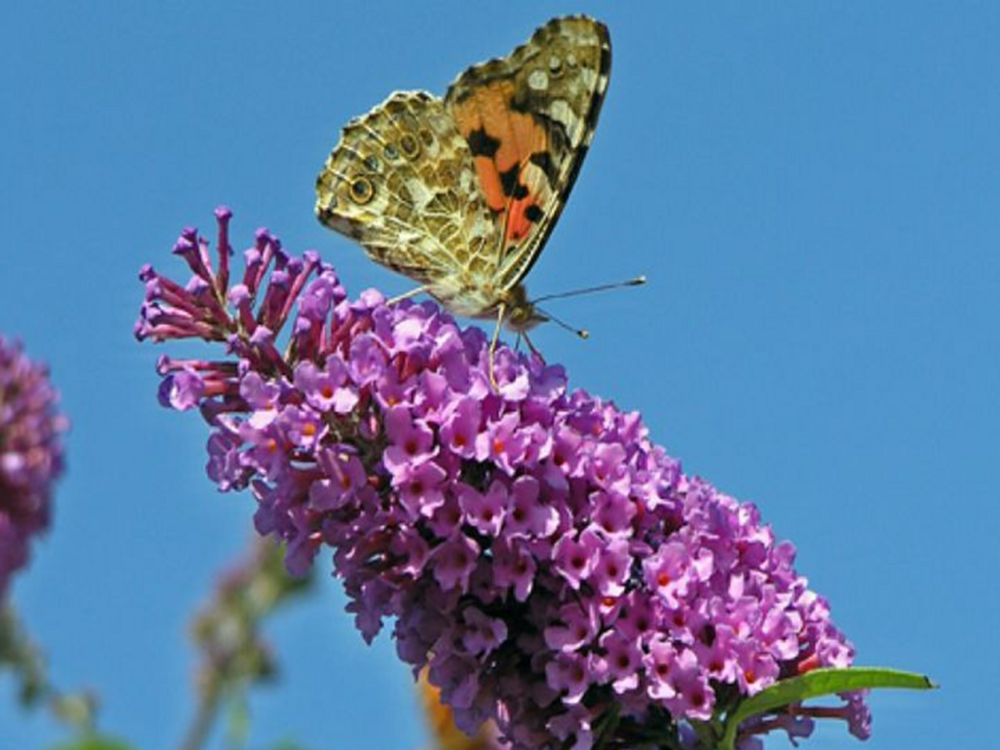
502, 141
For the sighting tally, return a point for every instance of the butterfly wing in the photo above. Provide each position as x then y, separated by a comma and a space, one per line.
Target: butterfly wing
401, 181
528, 120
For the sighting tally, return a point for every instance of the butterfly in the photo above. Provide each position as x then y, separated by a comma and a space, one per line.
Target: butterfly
460, 194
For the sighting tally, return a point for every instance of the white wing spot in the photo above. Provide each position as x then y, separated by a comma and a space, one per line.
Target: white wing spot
466, 181
538, 80
420, 192
561, 112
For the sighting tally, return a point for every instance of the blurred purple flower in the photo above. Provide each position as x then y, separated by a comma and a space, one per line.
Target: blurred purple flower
547, 561
31, 455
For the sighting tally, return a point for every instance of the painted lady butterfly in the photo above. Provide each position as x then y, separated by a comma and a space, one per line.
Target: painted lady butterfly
461, 193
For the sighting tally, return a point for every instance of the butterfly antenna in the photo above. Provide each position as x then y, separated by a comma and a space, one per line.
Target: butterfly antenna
583, 333
637, 281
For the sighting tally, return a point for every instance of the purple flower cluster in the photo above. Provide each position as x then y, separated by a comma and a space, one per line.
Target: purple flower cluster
554, 569
31, 455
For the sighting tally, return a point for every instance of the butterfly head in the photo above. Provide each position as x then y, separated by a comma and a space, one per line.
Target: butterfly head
520, 314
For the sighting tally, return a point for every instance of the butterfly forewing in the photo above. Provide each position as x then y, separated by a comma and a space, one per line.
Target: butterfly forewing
528, 119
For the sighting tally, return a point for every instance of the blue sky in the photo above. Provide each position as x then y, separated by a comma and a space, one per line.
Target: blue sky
812, 189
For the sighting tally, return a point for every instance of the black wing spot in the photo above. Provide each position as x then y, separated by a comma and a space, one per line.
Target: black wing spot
510, 184
594, 111
362, 190
482, 144
533, 213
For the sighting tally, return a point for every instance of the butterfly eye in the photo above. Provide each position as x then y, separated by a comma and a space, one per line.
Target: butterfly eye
410, 146
362, 190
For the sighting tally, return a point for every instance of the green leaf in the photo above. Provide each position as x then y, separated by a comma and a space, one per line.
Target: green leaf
816, 683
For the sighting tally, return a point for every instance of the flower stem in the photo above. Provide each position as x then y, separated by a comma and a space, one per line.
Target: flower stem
201, 723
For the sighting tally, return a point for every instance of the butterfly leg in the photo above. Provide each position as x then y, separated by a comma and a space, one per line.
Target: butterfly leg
493, 343
407, 295
531, 347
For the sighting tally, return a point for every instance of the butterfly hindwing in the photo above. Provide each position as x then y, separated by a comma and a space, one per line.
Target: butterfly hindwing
401, 182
